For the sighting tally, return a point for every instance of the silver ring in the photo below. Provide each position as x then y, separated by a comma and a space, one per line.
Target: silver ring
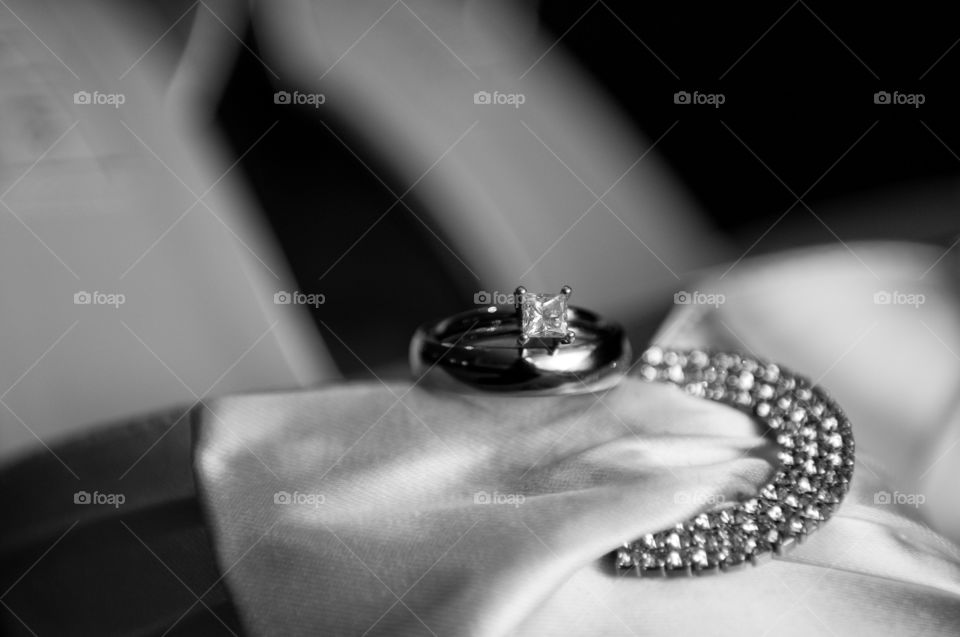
816, 459
541, 346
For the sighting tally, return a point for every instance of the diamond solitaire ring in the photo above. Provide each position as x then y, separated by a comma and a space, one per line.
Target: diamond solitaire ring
541, 345
816, 465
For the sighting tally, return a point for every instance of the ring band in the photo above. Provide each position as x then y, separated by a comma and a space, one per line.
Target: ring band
816, 465
541, 347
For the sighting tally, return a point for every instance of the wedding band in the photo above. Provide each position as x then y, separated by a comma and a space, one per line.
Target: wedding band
542, 346
816, 465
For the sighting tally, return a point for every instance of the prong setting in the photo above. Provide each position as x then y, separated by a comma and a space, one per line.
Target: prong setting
544, 317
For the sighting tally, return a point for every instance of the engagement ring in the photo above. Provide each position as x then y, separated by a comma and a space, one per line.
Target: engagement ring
541, 345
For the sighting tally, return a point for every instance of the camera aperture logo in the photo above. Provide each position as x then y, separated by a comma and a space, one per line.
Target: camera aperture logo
904, 499
112, 499
299, 99
885, 297
697, 98
307, 499
96, 98
484, 297
298, 298
899, 99
116, 299
497, 98
485, 497
699, 298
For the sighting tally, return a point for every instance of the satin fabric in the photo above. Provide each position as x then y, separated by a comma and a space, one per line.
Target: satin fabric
397, 510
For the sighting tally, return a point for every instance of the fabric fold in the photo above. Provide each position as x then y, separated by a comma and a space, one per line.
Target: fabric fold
463, 524
396, 510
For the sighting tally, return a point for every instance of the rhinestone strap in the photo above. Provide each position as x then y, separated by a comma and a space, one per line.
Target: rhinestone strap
816, 465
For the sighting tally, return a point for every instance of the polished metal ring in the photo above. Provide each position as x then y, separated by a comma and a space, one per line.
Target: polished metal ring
816, 458
540, 346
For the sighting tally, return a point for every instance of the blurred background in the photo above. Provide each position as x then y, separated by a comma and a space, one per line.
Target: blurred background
200, 198
799, 118
342, 156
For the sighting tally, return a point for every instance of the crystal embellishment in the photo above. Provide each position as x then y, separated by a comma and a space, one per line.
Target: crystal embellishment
805, 491
543, 315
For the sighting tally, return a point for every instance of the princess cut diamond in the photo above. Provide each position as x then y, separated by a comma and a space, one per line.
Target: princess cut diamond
543, 315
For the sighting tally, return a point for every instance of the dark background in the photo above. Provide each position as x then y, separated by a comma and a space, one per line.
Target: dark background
800, 96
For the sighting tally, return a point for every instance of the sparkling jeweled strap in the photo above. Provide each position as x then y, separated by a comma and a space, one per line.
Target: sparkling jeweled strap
816, 465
